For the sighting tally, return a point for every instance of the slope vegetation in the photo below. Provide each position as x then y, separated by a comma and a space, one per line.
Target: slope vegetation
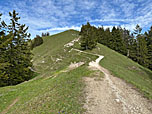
55, 89
58, 86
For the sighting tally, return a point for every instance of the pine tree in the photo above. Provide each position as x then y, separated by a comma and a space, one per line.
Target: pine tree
37, 41
101, 35
92, 38
112, 42
5, 41
47, 34
142, 50
132, 47
148, 37
137, 30
83, 38
107, 37
116, 42
88, 37
16, 65
135, 48
120, 42
142, 55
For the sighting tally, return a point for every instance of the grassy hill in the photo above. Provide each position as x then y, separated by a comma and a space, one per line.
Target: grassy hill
58, 89
53, 90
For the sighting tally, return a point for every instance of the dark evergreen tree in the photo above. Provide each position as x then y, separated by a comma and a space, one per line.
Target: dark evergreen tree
107, 37
142, 51
37, 41
116, 42
126, 40
88, 37
15, 61
101, 35
104, 36
135, 46
112, 41
148, 38
137, 30
132, 53
45, 34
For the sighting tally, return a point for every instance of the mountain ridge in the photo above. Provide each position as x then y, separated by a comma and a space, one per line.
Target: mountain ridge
58, 90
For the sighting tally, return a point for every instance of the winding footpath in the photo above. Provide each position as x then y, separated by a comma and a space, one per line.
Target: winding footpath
112, 95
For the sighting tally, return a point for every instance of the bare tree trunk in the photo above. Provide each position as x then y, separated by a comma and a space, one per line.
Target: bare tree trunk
128, 53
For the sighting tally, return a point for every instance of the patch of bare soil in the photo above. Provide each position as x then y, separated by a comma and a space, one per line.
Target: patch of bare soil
71, 43
75, 65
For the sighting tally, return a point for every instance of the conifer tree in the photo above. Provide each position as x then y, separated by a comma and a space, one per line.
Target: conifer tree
126, 40
112, 41
16, 65
148, 37
116, 41
37, 41
88, 36
101, 35
137, 30
132, 47
135, 45
107, 37
142, 55
47, 34
142, 50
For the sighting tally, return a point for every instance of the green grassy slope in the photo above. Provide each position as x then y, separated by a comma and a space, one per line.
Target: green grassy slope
53, 56
53, 44
125, 68
51, 49
46, 96
54, 91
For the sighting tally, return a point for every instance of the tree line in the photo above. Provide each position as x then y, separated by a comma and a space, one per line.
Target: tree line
45, 34
15, 52
136, 45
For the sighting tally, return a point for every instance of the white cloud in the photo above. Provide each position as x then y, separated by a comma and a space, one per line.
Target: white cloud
61, 29
128, 8
62, 15
88, 4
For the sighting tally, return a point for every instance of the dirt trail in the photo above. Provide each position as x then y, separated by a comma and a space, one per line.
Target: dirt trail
112, 95
7, 109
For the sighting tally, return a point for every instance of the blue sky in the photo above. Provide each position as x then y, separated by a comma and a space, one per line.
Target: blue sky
58, 15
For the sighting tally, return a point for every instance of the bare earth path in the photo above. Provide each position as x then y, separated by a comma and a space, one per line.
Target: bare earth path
112, 95
13, 103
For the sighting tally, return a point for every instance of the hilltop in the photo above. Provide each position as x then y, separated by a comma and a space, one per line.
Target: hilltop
62, 73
